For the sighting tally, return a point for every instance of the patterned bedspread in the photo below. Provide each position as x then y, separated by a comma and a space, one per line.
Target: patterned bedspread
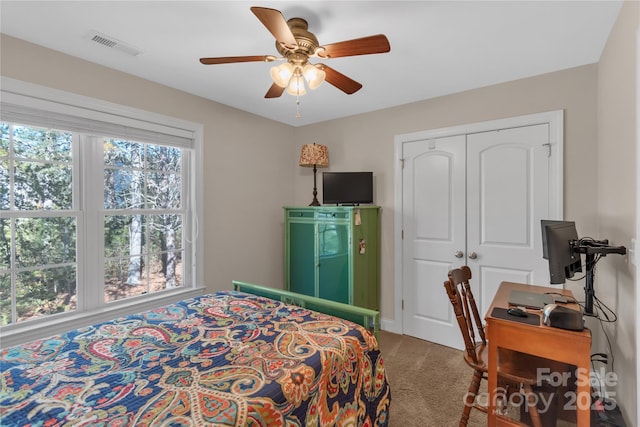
225, 359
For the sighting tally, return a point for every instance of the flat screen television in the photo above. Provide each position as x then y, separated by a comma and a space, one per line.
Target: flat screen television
347, 188
559, 240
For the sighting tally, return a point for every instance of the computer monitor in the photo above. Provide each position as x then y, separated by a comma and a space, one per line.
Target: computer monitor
559, 240
562, 248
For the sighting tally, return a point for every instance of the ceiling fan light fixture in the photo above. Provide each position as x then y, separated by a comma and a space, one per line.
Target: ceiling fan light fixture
313, 75
296, 86
281, 74
296, 44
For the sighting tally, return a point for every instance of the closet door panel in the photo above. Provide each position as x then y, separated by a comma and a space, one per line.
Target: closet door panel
505, 176
434, 232
507, 185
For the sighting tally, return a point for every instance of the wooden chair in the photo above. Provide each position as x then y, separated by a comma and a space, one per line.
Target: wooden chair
476, 350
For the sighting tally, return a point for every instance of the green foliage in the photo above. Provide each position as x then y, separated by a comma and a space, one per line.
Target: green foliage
5, 299
44, 241
143, 238
46, 291
42, 169
5, 244
40, 250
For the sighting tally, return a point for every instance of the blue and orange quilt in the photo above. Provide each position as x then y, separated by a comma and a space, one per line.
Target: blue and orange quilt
223, 359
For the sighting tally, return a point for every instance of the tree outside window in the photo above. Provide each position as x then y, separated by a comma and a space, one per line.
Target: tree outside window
37, 225
141, 229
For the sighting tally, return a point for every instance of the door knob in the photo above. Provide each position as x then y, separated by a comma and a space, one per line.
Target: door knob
473, 255
459, 254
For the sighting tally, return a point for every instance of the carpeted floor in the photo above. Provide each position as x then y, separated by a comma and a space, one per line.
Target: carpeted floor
428, 382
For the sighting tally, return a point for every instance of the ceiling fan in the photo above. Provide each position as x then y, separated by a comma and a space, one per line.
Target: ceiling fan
297, 45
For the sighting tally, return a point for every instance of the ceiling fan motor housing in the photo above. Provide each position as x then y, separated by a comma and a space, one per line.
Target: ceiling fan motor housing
307, 42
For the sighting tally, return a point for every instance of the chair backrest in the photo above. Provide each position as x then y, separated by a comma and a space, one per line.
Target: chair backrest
465, 309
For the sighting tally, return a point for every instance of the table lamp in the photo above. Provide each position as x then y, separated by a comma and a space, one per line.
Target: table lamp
315, 155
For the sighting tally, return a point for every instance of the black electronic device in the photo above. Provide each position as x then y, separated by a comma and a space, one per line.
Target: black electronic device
347, 188
527, 299
561, 317
557, 238
518, 312
593, 250
563, 249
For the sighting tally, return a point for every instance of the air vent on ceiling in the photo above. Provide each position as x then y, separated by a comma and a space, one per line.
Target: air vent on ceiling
112, 43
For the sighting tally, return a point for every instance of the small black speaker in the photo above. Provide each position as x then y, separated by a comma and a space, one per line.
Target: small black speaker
563, 317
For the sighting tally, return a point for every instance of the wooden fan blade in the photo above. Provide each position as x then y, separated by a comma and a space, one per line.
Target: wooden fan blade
274, 91
233, 59
362, 46
339, 80
276, 24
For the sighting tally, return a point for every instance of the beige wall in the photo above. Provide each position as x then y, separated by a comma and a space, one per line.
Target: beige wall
616, 282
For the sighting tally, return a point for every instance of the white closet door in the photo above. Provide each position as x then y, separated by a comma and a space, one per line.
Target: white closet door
507, 196
434, 215
480, 196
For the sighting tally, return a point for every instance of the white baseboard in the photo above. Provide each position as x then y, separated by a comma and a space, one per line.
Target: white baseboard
391, 325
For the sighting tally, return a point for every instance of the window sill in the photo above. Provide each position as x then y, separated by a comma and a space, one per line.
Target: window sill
21, 333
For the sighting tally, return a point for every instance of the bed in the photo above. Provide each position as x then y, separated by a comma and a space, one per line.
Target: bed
224, 359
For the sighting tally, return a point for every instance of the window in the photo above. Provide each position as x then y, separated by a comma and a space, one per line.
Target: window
97, 211
38, 231
143, 248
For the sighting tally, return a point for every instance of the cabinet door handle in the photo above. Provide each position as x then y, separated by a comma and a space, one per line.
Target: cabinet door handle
473, 255
459, 254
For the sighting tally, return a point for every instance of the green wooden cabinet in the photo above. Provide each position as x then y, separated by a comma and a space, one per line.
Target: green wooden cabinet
333, 252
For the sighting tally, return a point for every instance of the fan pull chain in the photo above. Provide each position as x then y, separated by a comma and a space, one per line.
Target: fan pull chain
298, 97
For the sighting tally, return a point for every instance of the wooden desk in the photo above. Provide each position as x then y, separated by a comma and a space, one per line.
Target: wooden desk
561, 345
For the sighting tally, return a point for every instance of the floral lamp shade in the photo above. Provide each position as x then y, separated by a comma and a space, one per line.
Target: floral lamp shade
314, 155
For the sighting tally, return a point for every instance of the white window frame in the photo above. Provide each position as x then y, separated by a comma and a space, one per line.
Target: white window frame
126, 120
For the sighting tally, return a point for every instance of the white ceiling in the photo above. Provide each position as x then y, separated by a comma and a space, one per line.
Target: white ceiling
437, 47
